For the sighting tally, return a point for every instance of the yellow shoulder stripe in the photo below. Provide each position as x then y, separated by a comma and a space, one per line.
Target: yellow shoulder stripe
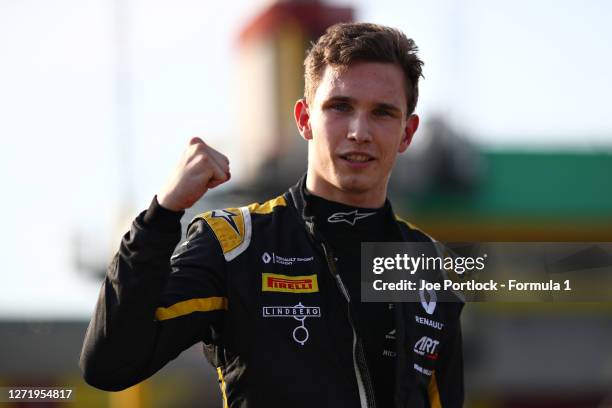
189, 306
433, 392
414, 227
268, 206
400, 219
232, 228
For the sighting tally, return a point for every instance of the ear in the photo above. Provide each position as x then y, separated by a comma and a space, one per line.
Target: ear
412, 124
302, 118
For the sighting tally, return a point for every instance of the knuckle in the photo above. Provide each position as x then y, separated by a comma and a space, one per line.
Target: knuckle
205, 156
207, 174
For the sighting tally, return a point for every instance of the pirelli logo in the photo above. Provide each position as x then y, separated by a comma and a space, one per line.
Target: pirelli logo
272, 282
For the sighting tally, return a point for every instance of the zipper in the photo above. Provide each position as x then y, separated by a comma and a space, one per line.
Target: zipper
364, 382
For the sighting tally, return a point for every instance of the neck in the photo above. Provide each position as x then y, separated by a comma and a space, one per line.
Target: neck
368, 199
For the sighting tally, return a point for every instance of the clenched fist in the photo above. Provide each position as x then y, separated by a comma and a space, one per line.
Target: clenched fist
200, 168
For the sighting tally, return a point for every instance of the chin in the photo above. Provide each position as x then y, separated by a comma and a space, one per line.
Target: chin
355, 184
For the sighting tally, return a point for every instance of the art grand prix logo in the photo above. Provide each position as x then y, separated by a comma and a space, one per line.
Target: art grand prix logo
272, 282
427, 347
299, 312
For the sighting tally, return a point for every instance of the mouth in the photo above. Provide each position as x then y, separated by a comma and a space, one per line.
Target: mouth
357, 158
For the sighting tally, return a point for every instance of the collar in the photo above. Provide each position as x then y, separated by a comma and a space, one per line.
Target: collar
296, 197
342, 217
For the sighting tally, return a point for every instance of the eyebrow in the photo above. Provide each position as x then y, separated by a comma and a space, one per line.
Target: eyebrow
379, 105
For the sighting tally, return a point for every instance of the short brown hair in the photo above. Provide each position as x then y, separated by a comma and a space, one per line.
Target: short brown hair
345, 43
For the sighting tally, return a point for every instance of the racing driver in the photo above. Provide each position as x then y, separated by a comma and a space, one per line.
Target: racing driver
272, 289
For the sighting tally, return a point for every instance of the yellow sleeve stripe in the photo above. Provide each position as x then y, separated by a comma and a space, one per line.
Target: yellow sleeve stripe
223, 387
189, 306
433, 392
268, 206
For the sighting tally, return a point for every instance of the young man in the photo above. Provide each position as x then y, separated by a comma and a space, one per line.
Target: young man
272, 290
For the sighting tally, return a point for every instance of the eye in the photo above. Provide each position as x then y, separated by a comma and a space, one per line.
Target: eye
382, 112
340, 106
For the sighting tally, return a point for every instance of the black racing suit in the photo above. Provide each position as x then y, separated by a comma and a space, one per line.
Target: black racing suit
259, 287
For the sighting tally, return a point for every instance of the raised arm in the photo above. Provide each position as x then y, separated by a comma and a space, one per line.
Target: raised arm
152, 304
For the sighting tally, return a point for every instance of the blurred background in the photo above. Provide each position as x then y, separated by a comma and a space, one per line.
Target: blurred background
98, 98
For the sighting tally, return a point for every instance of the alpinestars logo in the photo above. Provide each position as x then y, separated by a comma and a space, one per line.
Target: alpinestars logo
427, 347
227, 216
349, 217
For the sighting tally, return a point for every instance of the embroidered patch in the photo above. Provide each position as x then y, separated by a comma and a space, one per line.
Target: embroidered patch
271, 282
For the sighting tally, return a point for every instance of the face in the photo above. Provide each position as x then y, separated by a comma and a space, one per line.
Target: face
356, 125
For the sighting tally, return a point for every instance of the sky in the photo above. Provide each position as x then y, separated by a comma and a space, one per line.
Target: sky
520, 74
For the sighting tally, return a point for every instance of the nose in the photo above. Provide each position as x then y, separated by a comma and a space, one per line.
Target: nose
359, 129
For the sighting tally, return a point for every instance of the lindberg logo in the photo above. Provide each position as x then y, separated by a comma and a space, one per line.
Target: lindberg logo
271, 282
299, 312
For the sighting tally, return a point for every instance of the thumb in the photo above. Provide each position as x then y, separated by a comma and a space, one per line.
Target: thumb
195, 140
